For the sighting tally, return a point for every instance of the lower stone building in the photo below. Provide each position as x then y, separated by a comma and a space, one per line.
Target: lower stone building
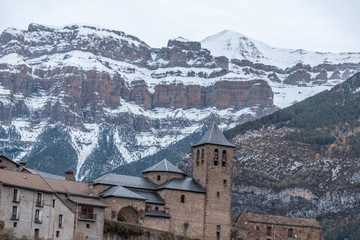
41, 208
270, 227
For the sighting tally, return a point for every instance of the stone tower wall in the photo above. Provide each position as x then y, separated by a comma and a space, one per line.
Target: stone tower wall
217, 179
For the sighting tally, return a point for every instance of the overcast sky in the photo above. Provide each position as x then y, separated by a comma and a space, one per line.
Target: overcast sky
318, 25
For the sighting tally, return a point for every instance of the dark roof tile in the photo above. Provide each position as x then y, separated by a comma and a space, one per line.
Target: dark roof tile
214, 136
183, 184
119, 191
125, 181
164, 166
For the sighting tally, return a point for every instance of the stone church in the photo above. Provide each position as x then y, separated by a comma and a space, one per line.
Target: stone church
165, 198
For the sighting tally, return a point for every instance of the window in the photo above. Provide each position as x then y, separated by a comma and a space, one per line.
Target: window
216, 157
202, 155
158, 177
57, 233
88, 226
290, 232
268, 231
223, 158
53, 203
156, 209
182, 198
38, 216
148, 207
218, 229
218, 194
15, 213
197, 157
87, 212
224, 180
61, 218
257, 228
16, 196
15, 224
39, 201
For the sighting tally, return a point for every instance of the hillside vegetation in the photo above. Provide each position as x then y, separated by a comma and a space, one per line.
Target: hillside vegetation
330, 119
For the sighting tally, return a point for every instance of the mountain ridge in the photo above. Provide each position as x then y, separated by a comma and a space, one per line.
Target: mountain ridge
109, 92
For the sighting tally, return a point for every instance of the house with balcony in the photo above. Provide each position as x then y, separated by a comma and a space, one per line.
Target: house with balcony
37, 207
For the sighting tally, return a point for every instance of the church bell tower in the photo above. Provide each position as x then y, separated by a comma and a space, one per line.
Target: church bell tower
212, 169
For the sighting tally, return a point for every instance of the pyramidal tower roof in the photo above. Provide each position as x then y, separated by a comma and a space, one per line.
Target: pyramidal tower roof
163, 166
214, 136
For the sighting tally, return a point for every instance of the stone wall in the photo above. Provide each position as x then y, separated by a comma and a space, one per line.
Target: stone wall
141, 233
275, 231
191, 223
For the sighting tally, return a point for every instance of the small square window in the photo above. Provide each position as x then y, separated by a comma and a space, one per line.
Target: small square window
224, 180
257, 228
88, 225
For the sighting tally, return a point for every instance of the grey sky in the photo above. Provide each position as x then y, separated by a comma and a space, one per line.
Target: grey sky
318, 25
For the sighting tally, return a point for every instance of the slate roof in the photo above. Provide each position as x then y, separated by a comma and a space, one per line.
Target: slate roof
8, 159
280, 220
151, 197
119, 191
164, 166
214, 136
183, 184
44, 174
157, 214
126, 181
24, 180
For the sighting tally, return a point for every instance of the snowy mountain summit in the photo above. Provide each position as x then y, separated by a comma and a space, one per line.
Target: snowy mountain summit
93, 99
236, 45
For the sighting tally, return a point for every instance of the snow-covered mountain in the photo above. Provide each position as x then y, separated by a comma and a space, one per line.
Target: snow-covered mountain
236, 45
92, 99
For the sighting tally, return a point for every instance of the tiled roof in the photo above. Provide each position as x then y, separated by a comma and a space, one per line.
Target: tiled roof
126, 181
69, 187
8, 159
88, 201
157, 214
183, 184
45, 174
280, 220
119, 191
24, 180
214, 136
164, 166
151, 197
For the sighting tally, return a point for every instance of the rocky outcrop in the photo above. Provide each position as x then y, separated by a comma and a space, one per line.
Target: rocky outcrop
297, 77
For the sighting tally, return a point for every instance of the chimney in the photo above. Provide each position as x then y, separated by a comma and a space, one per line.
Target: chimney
22, 166
69, 175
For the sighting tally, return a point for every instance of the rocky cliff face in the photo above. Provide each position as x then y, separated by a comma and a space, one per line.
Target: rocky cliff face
106, 98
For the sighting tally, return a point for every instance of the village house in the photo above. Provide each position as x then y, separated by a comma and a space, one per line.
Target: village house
163, 198
37, 207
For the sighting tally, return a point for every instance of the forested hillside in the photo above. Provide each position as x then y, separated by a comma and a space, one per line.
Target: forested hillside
330, 118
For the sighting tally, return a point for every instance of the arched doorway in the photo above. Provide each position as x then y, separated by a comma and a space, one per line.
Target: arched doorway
128, 214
